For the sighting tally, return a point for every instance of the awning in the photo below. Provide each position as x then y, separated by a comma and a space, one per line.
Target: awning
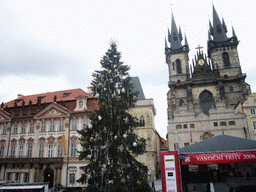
21, 187
219, 150
220, 144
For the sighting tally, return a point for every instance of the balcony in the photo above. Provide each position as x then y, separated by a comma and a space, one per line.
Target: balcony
51, 160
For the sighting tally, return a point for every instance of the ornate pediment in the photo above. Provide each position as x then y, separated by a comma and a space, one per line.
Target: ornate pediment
206, 135
4, 116
52, 111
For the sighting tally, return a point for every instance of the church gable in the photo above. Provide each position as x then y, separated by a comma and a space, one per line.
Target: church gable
203, 68
53, 110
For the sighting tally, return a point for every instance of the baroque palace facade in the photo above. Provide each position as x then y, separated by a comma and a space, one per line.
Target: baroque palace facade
38, 137
203, 95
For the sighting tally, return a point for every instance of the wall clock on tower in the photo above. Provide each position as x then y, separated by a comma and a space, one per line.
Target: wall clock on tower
201, 62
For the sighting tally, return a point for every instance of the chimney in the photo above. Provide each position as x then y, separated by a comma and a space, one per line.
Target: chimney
19, 95
89, 90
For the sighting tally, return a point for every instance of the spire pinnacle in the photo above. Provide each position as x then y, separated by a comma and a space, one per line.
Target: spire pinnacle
186, 41
166, 47
233, 32
175, 39
219, 29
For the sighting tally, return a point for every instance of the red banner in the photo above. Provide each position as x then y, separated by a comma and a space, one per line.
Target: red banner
219, 158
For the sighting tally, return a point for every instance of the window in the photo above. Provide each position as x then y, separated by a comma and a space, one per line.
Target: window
215, 124
231, 123
4, 129
185, 126
226, 60
13, 147
9, 177
23, 128
181, 102
15, 128
252, 111
50, 150
254, 124
142, 122
223, 123
52, 125
61, 125
17, 177
86, 121
254, 100
26, 177
41, 150
74, 123
206, 101
1, 151
72, 178
59, 150
192, 125
178, 66
231, 89
176, 146
31, 127
30, 147
43, 125
73, 150
173, 66
21, 150
178, 126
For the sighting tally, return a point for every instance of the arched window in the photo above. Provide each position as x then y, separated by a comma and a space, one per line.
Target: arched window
178, 66
142, 122
206, 101
181, 102
226, 60
231, 89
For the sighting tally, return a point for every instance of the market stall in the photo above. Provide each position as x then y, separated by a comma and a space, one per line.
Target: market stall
217, 160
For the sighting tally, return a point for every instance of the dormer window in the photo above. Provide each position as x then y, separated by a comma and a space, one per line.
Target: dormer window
40, 98
66, 94
18, 100
81, 103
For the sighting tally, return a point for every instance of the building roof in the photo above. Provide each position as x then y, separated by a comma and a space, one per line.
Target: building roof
66, 95
137, 87
219, 144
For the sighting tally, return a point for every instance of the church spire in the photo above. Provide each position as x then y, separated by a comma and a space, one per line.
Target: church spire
186, 41
219, 29
233, 32
175, 39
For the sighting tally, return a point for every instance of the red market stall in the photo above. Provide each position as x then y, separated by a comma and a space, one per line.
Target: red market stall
217, 159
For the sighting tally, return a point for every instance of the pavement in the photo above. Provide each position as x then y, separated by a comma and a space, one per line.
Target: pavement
158, 184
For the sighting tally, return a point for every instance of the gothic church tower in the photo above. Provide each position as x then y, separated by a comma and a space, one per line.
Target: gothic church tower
208, 79
204, 91
177, 60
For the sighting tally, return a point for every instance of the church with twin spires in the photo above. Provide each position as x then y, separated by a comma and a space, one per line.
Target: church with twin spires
204, 93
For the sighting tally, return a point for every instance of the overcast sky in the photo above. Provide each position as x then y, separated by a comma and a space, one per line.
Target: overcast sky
56, 45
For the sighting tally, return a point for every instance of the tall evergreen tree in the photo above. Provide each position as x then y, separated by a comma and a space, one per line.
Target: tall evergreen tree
109, 142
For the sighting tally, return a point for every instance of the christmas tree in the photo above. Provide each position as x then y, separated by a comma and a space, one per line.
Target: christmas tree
108, 141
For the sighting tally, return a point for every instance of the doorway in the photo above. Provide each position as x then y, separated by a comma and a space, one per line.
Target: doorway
48, 176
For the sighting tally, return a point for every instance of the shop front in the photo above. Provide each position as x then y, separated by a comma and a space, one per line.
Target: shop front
222, 163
